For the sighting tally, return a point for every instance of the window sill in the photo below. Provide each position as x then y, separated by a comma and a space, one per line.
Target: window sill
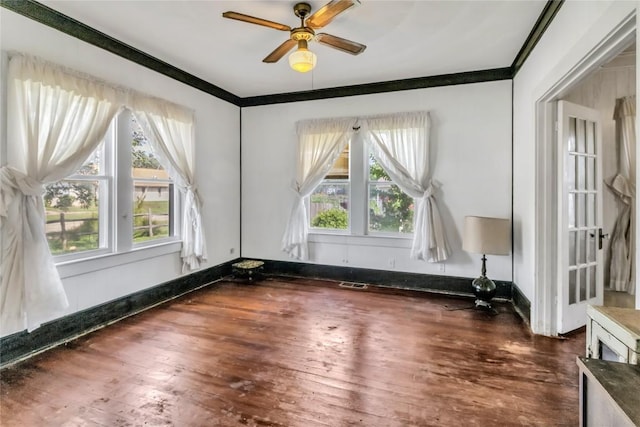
360, 240
99, 262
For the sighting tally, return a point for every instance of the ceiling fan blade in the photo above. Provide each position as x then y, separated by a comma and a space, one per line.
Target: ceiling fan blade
257, 21
280, 51
326, 13
339, 43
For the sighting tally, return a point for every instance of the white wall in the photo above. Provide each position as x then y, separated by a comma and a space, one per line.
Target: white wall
471, 142
218, 156
577, 28
600, 91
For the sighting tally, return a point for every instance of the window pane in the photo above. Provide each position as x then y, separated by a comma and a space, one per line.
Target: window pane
390, 210
152, 208
152, 190
143, 156
340, 169
376, 173
94, 164
72, 216
329, 206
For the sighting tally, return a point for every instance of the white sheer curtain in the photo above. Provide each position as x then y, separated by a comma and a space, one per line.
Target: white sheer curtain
56, 119
170, 128
622, 185
320, 142
400, 143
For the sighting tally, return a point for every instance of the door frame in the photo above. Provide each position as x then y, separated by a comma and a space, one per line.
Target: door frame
547, 223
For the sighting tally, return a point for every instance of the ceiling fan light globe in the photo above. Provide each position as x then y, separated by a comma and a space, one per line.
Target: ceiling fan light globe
302, 60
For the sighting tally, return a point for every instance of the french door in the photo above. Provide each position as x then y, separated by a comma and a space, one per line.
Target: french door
580, 258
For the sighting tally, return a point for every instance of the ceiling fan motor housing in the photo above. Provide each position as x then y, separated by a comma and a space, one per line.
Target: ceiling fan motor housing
302, 10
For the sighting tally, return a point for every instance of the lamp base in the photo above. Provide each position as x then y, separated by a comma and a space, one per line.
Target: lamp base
484, 289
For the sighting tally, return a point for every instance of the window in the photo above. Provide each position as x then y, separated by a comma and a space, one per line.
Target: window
390, 209
152, 191
75, 216
329, 202
121, 198
358, 196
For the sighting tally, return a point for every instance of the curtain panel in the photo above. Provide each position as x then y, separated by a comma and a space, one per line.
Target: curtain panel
171, 129
622, 245
320, 142
400, 144
56, 118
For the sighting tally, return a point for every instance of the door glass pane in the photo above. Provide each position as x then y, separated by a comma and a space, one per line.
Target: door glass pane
580, 136
572, 134
592, 281
580, 210
572, 286
571, 172
572, 210
591, 137
573, 235
582, 278
591, 173
591, 210
580, 173
593, 238
582, 247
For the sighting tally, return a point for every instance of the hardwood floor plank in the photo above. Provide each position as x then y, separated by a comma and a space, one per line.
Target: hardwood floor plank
300, 352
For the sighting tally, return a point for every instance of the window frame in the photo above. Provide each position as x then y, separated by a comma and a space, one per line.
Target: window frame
359, 180
116, 207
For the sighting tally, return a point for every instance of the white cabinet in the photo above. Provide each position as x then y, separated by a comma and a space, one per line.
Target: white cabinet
609, 393
613, 334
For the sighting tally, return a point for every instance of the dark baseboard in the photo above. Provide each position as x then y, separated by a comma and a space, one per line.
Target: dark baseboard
392, 279
17, 346
521, 304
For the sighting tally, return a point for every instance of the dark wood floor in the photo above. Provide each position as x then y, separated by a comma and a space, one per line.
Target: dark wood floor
299, 352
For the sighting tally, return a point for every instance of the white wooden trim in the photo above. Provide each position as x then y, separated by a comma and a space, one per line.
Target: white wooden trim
544, 308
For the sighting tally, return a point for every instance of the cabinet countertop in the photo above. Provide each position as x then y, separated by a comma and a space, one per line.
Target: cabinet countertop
620, 380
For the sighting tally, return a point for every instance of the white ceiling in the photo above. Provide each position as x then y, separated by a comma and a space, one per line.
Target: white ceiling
405, 39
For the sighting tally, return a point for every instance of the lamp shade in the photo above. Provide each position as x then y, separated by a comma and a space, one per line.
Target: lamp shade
484, 235
302, 60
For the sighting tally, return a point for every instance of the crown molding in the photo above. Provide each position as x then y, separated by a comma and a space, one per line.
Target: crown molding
54, 19
544, 20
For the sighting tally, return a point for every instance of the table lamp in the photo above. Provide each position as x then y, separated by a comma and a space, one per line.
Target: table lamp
484, 236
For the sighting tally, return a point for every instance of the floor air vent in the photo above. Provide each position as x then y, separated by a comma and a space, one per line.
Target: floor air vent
352, 285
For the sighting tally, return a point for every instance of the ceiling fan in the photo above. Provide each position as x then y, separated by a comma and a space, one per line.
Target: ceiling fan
303, 59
